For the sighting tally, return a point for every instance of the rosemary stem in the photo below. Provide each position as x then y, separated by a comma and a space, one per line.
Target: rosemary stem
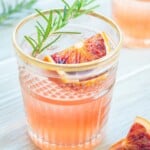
56, 20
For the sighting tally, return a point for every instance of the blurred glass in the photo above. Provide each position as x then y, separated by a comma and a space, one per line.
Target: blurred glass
133, 17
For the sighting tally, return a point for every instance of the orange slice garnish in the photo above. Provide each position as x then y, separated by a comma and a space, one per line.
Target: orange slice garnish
90, 49
138, 137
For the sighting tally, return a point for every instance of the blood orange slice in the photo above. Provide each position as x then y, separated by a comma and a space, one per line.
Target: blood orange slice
138, 137
90, 49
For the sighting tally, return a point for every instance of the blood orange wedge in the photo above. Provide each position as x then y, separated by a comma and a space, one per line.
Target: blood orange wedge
138, 137
90, 49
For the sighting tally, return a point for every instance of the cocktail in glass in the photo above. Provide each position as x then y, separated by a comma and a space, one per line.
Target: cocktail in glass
133, 18
67, 105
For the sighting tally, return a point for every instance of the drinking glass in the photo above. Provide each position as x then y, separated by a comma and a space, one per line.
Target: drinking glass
133, 18
67, 111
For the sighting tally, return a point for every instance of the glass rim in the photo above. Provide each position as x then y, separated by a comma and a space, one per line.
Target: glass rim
66, 67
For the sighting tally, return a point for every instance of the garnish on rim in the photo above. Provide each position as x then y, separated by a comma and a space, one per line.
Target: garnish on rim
55, 21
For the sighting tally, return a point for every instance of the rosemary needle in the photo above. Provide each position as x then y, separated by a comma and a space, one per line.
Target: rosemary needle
8, 9
55, 21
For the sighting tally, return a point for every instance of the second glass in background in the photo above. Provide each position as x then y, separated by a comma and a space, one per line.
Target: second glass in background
133, 18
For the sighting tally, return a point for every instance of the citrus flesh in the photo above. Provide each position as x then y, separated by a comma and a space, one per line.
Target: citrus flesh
138, 137
90, 49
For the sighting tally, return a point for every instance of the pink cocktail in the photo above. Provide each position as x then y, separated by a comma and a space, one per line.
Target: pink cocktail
68, 112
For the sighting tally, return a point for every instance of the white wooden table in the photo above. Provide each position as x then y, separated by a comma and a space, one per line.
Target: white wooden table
131, 96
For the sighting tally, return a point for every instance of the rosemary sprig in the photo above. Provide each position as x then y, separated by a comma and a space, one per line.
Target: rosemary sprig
8, 9
55, 21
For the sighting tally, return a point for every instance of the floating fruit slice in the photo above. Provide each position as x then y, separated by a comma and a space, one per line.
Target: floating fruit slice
62, 74
49, 59
90, 49
138, 137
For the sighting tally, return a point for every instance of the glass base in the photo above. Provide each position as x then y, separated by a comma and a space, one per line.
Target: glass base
44, 145
131, 42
